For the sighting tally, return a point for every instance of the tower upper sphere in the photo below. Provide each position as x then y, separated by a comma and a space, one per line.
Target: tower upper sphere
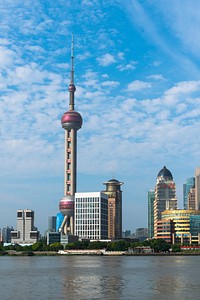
71, 119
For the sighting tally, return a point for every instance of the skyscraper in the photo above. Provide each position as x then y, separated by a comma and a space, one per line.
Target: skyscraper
114, 193
151, 198
197, 188
26, 232
6, 234
165, 195
141, 234
91, 215
71, 121
52, 223
186, 188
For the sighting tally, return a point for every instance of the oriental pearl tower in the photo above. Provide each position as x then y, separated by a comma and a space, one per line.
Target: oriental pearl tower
71, 121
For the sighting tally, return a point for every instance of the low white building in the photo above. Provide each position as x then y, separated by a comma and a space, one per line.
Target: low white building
91, 215
26, 232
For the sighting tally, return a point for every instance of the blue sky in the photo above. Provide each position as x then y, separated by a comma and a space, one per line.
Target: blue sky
137, 75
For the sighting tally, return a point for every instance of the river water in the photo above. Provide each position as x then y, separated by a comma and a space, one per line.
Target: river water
100, 277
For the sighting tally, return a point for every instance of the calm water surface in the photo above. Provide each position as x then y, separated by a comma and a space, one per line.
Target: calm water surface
94, 277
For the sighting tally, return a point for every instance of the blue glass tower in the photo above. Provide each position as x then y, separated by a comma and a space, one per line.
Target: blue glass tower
59, 219
195, 225
190, 182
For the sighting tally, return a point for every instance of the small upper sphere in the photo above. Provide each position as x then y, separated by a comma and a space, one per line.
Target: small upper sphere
71, 120
164, 172
71, 88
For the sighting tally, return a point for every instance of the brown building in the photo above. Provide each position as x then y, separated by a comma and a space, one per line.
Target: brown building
114, 193
165, 230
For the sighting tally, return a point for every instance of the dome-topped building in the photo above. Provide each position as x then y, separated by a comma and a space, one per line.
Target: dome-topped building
113, 185
165, 173
165, 196
114, 192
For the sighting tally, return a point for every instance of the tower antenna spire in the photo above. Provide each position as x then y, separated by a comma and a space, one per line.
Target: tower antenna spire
72, 60
113, 171
72, 87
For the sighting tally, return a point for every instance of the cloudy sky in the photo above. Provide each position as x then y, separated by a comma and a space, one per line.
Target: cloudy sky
137, 74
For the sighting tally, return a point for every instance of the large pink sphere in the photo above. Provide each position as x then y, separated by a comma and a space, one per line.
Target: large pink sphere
66, 205
71, 120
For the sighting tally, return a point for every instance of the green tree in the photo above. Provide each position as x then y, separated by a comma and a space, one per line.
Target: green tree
38, 246
176, 248
97, 245
160, 245
121, 245
56, 246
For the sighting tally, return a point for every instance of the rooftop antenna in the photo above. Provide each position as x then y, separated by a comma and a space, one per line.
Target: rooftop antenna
72, 61
72, 87
113, 171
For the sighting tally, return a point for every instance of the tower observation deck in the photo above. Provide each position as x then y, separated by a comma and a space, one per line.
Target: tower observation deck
71, 121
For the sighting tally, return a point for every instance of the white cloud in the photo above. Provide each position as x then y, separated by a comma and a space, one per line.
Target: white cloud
4, 41
138, 85
7, 57
156, 63
35, 48
84, 55
106, 60
120, 55
129, 66
29, 73
156, 77
184, 87
112, 84
105, 76
147, 125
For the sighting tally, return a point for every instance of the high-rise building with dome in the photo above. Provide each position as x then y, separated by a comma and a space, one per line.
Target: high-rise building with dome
114, 192
165, 195
71, 121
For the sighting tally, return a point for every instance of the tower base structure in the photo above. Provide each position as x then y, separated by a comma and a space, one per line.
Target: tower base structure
68, 238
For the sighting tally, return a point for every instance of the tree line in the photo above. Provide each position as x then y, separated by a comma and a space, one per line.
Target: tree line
157, 245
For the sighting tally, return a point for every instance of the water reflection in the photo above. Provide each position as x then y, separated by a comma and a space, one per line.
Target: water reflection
92, 277
174, 278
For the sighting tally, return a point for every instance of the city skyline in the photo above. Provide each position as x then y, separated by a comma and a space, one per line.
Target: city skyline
137, 78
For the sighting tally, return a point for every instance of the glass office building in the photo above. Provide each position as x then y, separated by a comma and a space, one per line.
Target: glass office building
91, 215
186, 189
151, 198
195, 224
